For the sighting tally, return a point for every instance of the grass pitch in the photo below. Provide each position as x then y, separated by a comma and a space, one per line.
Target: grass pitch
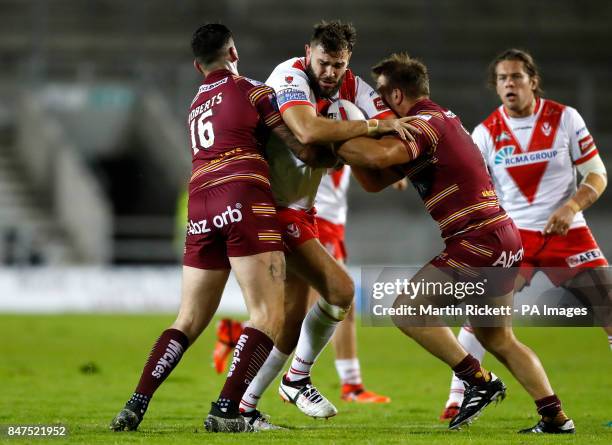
78, 370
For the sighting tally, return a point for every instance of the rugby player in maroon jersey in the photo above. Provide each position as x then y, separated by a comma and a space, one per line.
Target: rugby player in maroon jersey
232, 225
448, 171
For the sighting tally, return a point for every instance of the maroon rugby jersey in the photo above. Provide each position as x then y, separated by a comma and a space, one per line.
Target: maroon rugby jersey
449, 172
229, 122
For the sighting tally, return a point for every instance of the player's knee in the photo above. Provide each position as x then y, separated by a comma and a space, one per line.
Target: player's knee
188, 325
350, 315
267, 318
342, 292
498, 342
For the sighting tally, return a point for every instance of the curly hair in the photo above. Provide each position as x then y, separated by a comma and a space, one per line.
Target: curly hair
334, 36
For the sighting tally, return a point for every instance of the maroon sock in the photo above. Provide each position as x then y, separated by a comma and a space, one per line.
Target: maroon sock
165, 355
549, 407
470, 371
249, 356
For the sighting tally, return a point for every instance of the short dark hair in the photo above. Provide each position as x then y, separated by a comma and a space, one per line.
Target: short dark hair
334, 36
519, 55
403, 72
209, 41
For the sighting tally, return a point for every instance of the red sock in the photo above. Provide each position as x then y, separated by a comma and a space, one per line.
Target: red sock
470, 371
250, 354
165, 355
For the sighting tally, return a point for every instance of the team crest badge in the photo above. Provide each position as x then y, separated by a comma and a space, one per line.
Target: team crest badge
546, 128
289, 79
293, 230
503, 136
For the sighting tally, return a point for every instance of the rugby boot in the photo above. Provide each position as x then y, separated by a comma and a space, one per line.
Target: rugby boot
476, 399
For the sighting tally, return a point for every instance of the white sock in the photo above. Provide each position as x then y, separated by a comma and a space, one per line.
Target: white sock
266, 375
610, 341
471, 344
349, 371
317, 330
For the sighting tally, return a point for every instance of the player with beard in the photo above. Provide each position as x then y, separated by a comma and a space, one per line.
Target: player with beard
305, 87
232, 225
332, 208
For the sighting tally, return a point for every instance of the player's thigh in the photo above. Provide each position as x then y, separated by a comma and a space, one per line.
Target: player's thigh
200, 296
262, 278
314, 264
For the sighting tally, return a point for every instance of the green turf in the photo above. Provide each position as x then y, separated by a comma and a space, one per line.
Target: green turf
42, 381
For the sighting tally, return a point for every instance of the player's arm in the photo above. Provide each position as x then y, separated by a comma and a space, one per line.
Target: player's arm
309, 128
594, 182
375, 180
590, 167
377, 153
311, 155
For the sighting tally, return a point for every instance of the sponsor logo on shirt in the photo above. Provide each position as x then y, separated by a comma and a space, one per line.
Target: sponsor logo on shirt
425, 117
506, 157
584, 257
290, 95
581, 130
586, 143
449, 114
503, 136
379, 104
212, 86
289, 79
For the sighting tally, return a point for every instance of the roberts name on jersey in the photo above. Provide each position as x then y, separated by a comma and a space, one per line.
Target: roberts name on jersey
229, 123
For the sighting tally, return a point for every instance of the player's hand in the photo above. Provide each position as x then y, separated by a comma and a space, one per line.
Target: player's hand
560, 221
401, 185
400, 126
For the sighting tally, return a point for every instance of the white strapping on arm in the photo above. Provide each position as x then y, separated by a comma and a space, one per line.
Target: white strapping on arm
594, 165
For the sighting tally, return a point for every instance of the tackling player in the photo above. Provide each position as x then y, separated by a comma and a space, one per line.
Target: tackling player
331, 205
449, 174
541, 197
232, 225
306, 86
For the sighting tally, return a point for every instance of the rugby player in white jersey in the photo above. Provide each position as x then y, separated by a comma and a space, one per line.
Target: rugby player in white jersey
331, 204
306, 86
534, 149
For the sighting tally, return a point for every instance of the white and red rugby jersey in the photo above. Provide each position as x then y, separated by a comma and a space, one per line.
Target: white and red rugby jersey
331, 201
294, 184
532, 160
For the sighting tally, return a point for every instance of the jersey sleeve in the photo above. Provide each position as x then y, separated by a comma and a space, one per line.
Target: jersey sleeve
370, 102
424, 141
263, 98
291, 87
581, 144
483, 141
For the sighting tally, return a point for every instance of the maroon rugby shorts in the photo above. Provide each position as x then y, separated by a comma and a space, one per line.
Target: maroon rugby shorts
230, 220
496, 252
